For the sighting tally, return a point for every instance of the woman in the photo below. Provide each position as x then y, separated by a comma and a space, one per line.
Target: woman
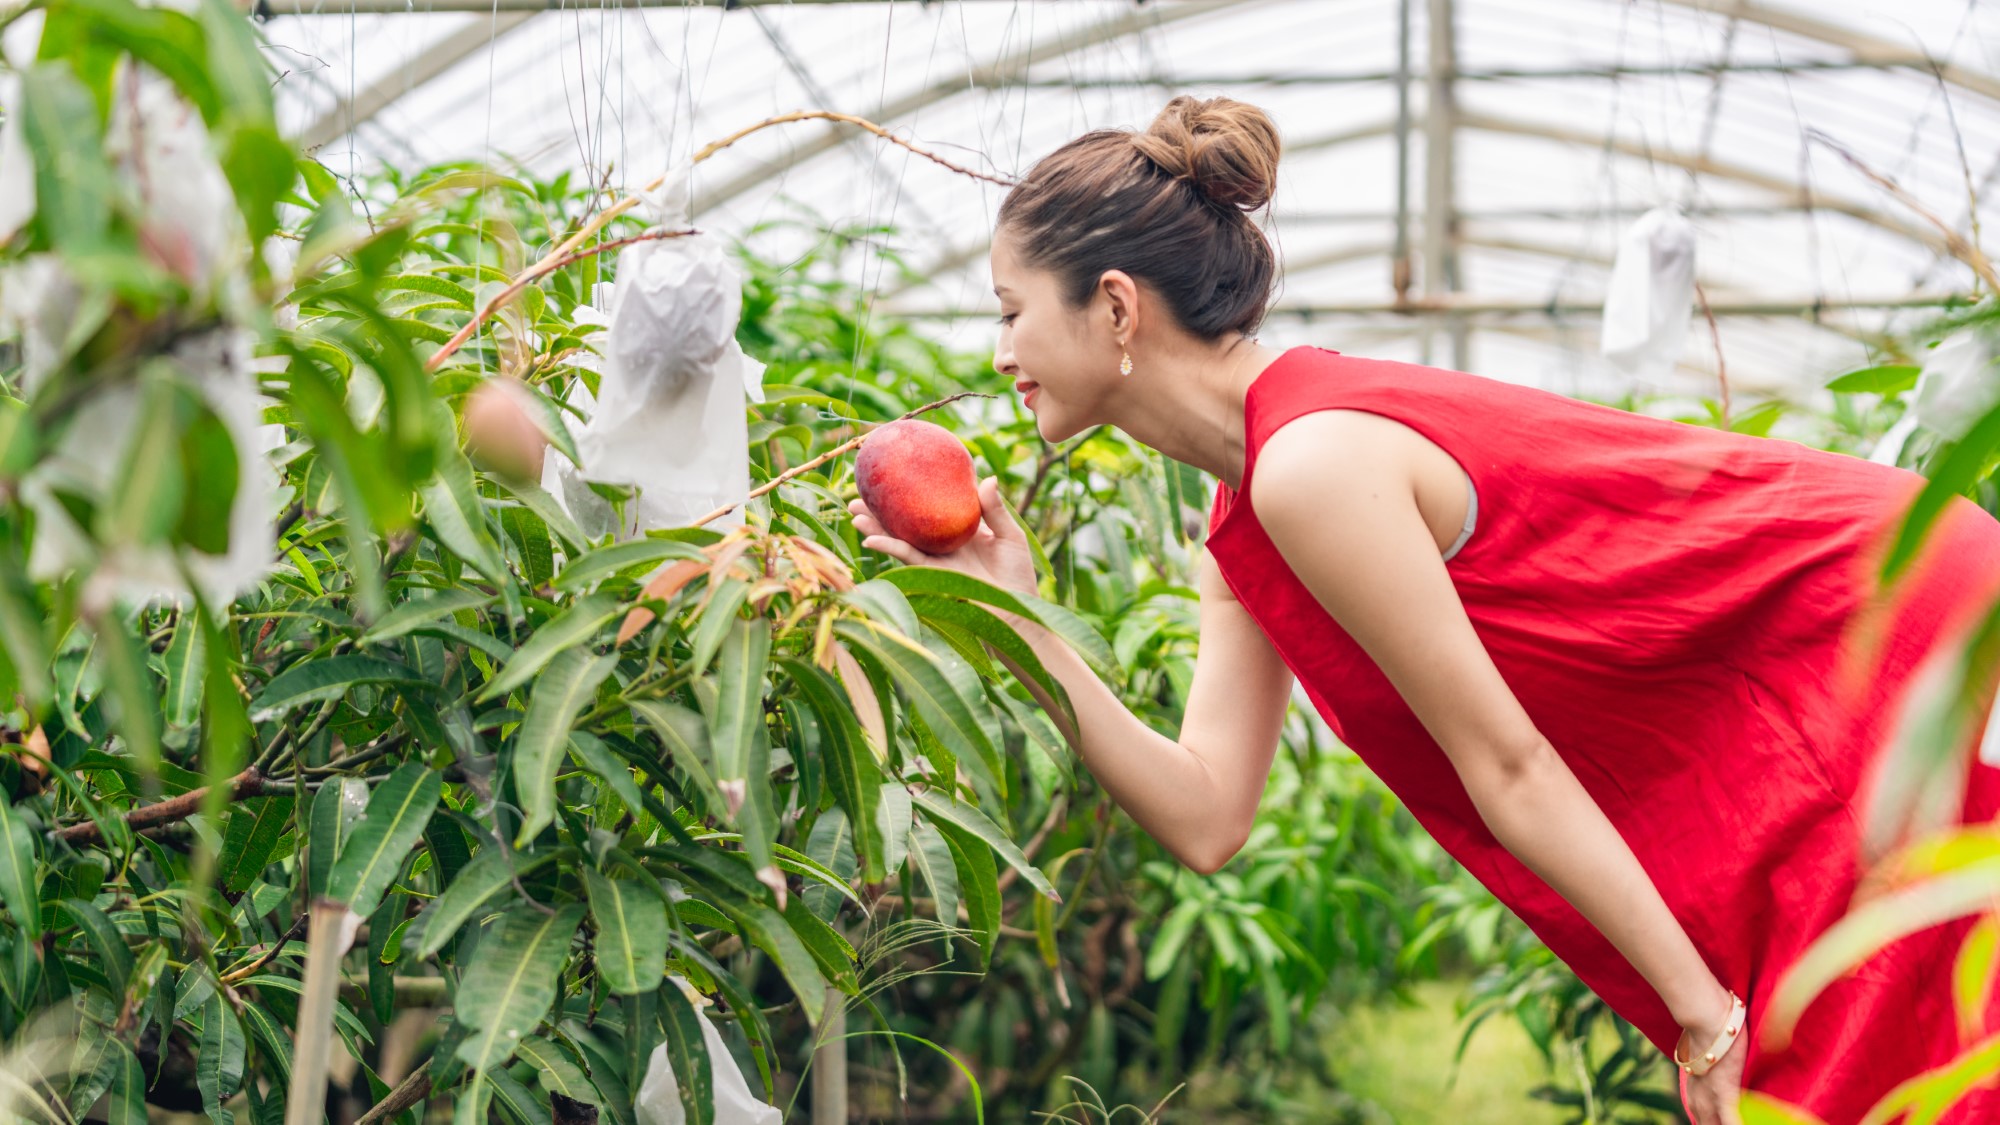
1595, 653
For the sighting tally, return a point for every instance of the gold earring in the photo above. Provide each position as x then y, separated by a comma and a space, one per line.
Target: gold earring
1124, 362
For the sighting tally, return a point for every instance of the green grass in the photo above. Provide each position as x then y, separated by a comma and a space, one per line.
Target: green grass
1395, 1061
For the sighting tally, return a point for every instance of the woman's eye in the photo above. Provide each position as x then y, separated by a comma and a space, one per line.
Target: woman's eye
1007, 318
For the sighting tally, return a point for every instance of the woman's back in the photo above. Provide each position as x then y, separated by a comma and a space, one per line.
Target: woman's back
1671, 605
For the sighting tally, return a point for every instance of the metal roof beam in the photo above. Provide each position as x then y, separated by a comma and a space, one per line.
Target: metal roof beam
1862, 45
1790, 197
1004, 71
346, 116
1476, 306
1912, 59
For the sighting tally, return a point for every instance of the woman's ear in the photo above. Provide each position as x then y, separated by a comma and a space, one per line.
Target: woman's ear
1121, 297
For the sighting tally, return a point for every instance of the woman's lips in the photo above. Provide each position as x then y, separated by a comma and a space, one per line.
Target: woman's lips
1027, 388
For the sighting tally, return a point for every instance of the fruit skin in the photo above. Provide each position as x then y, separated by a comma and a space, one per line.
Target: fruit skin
499, 434
918, 482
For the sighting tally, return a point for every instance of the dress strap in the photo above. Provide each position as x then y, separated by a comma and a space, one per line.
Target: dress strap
1471, 516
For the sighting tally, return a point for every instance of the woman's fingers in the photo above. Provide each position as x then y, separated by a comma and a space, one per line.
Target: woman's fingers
995, 511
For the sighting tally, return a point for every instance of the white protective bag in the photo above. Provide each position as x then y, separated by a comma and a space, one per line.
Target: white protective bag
668, 417
1648, 303
659, 1101
1956, 388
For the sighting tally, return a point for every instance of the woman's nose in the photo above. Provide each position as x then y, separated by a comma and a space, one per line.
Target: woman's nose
1003, 361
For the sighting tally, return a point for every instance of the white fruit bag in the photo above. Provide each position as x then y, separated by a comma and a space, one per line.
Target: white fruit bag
668, 417
1957, 387
659, 1101
1648, 303
17, 169
90, 454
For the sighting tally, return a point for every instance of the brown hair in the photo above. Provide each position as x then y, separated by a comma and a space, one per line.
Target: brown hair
1170, 206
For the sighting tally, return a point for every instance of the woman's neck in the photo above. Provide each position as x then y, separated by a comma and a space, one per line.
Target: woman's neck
1186, 401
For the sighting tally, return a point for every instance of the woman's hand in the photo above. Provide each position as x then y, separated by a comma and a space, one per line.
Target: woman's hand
1711, 1098
998, 553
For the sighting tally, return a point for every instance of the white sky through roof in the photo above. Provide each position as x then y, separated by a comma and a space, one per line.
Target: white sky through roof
1555, 156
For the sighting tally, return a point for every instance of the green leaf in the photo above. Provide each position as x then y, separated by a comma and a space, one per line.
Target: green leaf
931, 856
714, 620
250, 836
552, 514
684, 735
509, 1094
574, 627
209, 471
184, 673
272, 1040
493, 869
770, 932
128, 1088
850, 766
1759, 1108
314, 681
114, 957
978, 883
370, 856
133, 690
219, 1067
73, 180
631, 947
1886, 379
452, 506
1953, 474
561, 1071
531, 538
969, 819
916, 668
335, 809
738, 717
562, 691
147, 504
20, 891
687, 1053
638, 555
512, 981
421, 611
427, 283
1014, 651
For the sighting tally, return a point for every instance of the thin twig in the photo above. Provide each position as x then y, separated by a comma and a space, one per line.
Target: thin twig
528, 277
563, 254
407, 1093
1960, 248
249, 783
832, 453
297, 931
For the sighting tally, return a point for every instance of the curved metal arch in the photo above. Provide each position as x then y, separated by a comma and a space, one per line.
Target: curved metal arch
1000, 71
1862, 45
1789, 194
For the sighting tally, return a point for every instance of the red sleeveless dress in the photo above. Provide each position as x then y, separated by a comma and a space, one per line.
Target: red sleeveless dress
1672, 605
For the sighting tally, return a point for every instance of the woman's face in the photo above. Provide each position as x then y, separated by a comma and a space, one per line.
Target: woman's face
1047, 348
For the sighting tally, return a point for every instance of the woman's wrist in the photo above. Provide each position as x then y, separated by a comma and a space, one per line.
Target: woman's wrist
1706, 1022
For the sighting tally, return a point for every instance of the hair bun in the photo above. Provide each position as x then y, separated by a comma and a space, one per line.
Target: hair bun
1226, 148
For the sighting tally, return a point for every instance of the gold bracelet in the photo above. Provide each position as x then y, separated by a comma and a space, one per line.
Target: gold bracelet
1720, 1047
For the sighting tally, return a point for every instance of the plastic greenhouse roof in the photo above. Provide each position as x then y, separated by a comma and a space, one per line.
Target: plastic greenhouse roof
1566, 120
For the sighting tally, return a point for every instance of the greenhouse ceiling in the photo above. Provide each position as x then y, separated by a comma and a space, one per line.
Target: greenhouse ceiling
1457, 173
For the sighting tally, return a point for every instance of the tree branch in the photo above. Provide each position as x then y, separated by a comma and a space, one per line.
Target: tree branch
406, 1094
249, 783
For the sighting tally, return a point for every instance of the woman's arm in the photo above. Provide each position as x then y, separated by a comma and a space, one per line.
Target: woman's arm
1336, 495
1196, 795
